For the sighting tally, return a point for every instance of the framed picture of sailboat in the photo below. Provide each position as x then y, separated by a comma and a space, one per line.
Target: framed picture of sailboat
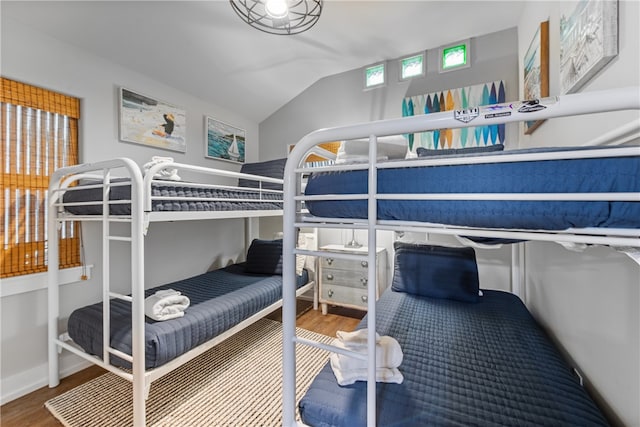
224, 141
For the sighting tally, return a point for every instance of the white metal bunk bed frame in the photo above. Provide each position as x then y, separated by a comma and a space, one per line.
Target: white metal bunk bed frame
295, 217
141, 215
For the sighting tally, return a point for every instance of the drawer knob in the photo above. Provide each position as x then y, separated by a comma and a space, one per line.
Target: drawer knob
329, 276
364, 281
364, 298
329, 261
330, 293
364, 264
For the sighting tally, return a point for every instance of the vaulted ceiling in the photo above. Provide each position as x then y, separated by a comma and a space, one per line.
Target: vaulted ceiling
203, 48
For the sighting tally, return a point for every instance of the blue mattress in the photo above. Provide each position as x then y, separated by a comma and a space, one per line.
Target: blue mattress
481, 364
229, 199
220, 299
621, 174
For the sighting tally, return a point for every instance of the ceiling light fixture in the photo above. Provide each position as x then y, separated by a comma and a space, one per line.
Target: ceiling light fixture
277, 9
279, 16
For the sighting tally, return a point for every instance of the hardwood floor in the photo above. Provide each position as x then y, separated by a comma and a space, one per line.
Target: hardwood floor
29, 411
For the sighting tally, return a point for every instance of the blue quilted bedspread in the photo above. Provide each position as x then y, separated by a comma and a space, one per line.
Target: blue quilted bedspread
482, 364
211, 199
220, 299
610, 174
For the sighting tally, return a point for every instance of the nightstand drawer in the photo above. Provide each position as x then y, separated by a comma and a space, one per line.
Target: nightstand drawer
344, 295
344, 264
349, 278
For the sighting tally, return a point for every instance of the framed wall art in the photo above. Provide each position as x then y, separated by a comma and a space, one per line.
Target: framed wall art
149, 121
224, 141
588, 41
536, 71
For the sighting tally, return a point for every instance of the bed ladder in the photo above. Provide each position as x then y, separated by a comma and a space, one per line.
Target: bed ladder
135, 238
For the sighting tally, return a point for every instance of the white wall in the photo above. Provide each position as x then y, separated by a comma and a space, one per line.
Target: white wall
37, 59
589, 301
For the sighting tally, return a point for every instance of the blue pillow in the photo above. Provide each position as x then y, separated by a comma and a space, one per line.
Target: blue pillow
436, 271
424, 152
270, 168
264, 257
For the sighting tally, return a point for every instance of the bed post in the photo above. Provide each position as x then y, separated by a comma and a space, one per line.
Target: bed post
52, 279
372, 216
515, 269
137, 292
518, 268
248, 234
289, 295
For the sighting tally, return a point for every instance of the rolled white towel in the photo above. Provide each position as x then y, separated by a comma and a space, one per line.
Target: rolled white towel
166, 173
165, 305
355, 340
350, 376
388, 355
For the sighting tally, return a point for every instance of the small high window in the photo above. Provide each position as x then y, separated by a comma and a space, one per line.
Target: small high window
455, 57
374, 76
412, 67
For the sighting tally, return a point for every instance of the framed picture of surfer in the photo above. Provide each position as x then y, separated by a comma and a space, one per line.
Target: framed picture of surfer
149, 121
224, 141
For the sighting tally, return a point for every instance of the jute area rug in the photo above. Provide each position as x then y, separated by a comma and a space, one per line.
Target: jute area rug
237, 383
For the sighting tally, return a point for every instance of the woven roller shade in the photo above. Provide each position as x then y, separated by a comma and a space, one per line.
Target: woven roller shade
329, 146
39, 135
25, 95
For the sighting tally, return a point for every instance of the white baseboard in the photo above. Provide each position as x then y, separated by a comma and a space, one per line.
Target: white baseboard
33, 379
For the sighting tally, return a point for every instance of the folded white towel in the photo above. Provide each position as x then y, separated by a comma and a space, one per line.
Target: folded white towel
388, 355
166, 174
167, 292
346, 377
355, 340
165, 305
349, 369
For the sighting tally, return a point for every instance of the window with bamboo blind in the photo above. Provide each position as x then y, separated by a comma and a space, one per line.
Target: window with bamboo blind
318, 160
39, 133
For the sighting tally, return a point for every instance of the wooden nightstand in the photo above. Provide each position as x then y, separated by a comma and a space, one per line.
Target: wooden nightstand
344, 282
